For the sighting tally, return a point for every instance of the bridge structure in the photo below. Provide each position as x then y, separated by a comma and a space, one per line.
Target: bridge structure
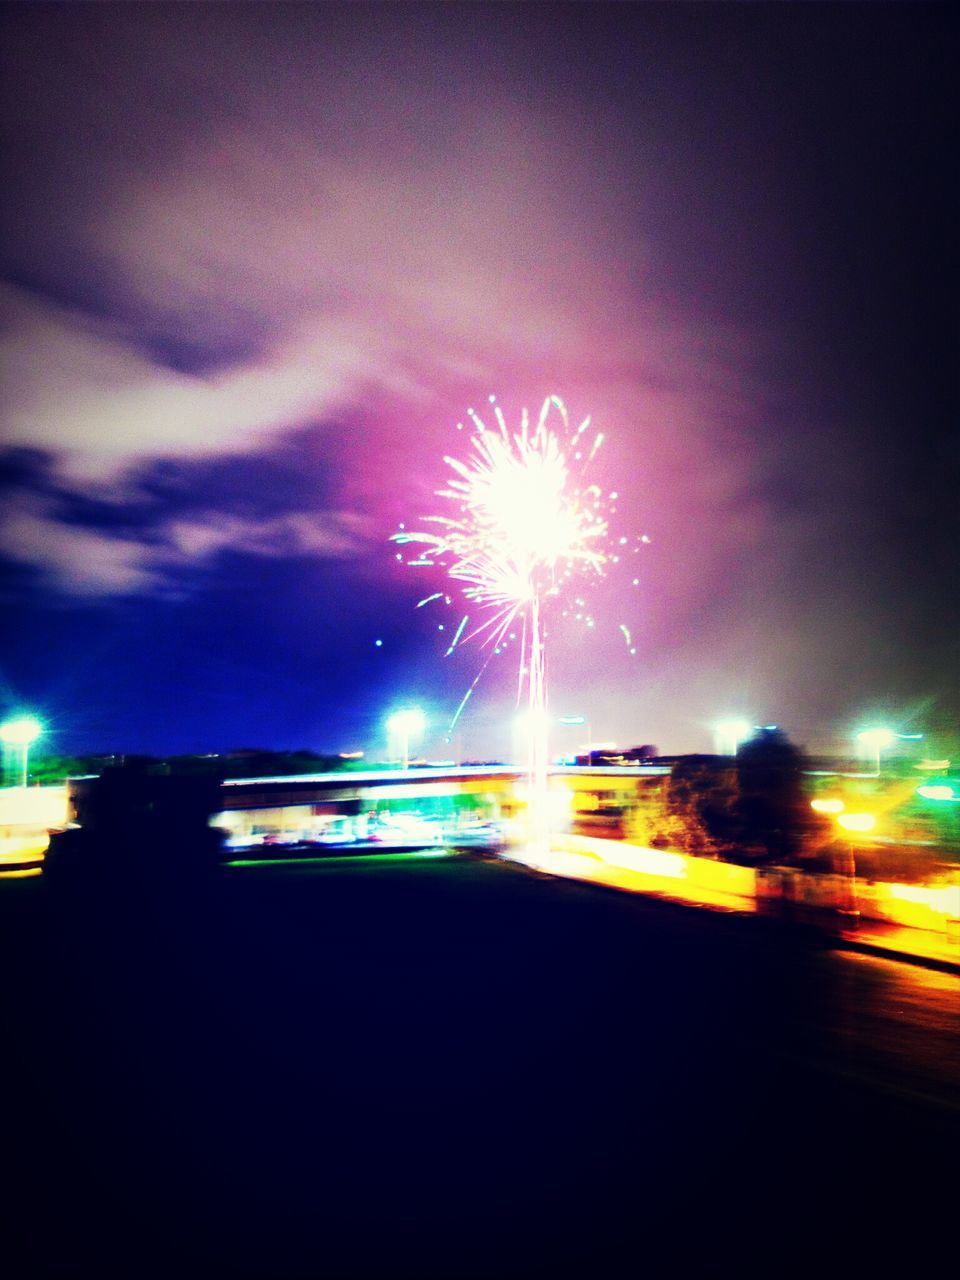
429, 804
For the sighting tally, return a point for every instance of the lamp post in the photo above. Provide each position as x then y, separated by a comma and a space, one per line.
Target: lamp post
404, 724
21, 732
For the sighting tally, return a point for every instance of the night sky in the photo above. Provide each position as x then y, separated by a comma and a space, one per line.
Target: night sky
258, 260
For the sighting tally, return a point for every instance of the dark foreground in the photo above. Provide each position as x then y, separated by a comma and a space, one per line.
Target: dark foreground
453, 1068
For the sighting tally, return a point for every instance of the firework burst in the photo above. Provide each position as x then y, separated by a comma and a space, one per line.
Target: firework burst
521, 524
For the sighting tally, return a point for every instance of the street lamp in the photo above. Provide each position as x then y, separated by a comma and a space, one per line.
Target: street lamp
875, 740
728, 734
403, 725
21, 732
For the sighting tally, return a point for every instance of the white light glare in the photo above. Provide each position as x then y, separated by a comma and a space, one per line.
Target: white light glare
729, 734
21, 731
409, 720
876, 739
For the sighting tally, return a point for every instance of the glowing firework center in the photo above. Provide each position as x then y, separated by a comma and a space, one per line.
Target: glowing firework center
524, 523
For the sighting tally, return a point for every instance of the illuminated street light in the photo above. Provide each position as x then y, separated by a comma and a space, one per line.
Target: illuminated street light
728, 734
21, 732
403, 725
875, 740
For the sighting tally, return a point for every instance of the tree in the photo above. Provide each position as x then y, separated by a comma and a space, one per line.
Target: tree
701, 807
774, 813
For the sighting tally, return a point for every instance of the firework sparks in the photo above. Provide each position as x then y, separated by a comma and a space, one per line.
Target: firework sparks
525, 519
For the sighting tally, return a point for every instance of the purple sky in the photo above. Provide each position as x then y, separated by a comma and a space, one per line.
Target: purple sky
257, 260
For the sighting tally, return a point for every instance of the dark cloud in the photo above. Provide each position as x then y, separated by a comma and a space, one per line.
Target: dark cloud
191, 340
170, 527
22, 468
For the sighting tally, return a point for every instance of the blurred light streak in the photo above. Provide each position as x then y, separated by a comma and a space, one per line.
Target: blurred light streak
359, 859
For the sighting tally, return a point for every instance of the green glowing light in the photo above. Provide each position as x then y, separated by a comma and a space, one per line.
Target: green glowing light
343, 860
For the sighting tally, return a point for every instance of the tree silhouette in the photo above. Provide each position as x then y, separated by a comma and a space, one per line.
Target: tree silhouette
775, 816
